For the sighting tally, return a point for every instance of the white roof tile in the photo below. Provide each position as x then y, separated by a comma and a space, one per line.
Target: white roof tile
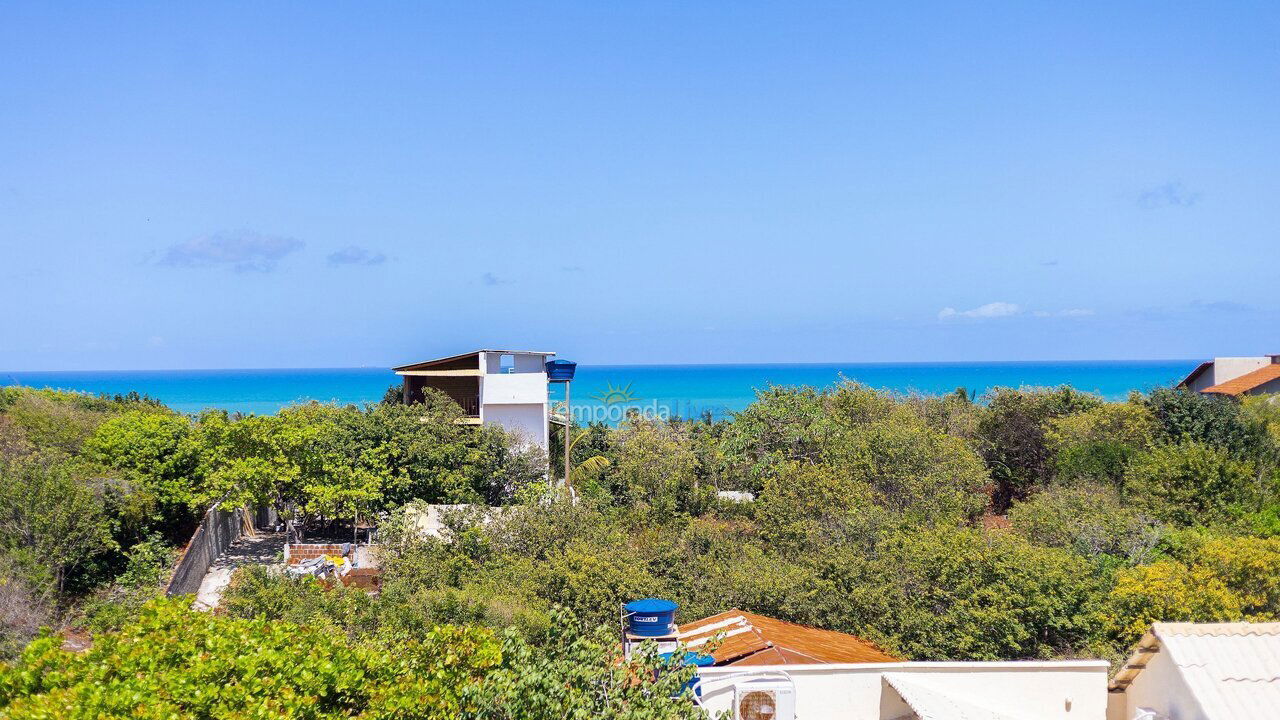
1232, 668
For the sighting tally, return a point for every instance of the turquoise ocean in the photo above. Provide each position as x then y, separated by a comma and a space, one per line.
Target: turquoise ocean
599, 390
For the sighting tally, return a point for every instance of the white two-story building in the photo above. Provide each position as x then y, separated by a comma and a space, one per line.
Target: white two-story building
507, 388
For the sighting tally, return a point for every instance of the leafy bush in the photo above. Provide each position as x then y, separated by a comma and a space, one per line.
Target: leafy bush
177, 663
962, 594
1091, 520
1098, 444
1191, 483
1012, 436
1211, 420
52, 524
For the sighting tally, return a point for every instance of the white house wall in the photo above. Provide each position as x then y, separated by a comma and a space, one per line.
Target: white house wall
529, 421
513, 388
1159, 687
1073, 690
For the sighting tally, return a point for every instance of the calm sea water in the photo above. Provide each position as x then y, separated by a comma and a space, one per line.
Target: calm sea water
686, 390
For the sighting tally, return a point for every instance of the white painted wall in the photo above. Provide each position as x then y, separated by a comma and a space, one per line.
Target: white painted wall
1203, 381
517, 400
491, 362
521, 388
1159, 687
1068, 690
529, 421
526, 363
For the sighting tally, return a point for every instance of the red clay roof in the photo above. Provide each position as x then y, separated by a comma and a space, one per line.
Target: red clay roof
1247, 382
751, 639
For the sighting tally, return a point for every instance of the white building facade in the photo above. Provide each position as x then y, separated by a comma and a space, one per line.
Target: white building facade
506, 388
1063, 690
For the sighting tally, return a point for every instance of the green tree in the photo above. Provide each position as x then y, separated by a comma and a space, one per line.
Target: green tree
654, 465
1209, 579
1212, 420
803, 507
1191, 483
1091, 519
159, 460
1012, 435
1097, 444
1167, 591
783, 425
963, 594
919, 474
51, 523
175, 663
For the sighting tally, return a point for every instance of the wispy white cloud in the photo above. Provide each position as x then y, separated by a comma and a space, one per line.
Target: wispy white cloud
1007, 309
990, 310
242, 251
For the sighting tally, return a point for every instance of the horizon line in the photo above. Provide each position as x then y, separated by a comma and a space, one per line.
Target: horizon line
616, 365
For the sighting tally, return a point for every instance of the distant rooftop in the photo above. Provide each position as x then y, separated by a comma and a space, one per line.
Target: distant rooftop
463, 356
751, 639
1246, 382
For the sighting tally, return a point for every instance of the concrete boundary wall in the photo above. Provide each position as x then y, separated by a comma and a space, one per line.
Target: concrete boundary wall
216, 532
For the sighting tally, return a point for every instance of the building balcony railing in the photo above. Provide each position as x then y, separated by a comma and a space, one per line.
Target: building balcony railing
470, 406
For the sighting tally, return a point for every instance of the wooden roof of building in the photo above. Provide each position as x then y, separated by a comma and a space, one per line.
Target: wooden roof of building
452, 359
751, 639
1247, 382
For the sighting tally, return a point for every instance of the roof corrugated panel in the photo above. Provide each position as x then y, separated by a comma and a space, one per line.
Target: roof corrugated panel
751, 639
1233, 669
1247, 382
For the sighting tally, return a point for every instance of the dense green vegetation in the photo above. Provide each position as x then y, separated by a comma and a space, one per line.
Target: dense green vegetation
1036, 523
96, 493
175, 663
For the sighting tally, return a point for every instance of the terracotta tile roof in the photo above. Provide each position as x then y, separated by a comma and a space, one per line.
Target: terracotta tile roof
1248, 381
751, 639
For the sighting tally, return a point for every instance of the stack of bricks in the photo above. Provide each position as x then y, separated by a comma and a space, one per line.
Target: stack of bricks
308, 551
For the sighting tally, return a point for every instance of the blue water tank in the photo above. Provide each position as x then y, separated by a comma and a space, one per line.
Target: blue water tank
561, 370
651, 617
697, 660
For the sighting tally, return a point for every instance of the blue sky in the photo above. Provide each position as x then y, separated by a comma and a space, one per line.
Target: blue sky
315, 185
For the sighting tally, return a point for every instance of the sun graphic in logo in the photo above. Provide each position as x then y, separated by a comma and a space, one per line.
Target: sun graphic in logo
614, 395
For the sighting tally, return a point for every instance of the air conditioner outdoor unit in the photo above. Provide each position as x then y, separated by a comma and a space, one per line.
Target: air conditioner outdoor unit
764, 700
